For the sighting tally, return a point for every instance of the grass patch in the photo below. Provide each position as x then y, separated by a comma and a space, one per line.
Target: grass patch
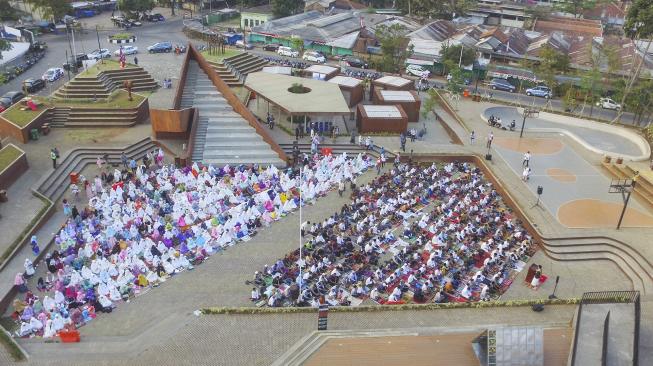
119, 99
11, 346
122, 36
8, 155
26, 231
20, 117
218, 57
99, 67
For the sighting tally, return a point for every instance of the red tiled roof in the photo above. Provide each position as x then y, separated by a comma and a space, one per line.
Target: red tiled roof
570, 26
608, 10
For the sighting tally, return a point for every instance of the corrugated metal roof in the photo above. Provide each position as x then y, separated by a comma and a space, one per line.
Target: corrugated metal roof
437, 31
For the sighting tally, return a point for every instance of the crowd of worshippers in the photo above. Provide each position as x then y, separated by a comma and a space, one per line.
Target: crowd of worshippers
439, 233
151, 224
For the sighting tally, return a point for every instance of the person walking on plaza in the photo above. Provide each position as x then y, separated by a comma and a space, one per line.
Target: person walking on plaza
341, 187
472, 137
35, 246
402, 140
135, 60
490, 137
368, 143
297, 133
527, 159
53, 156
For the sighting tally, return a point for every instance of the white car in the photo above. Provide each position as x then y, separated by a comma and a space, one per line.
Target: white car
287, 51
608, 103
53, 74
127, 50
98, 54
313, 56
417, 70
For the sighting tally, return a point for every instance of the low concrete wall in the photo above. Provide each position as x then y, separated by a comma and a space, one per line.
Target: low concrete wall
14, 170
179, 91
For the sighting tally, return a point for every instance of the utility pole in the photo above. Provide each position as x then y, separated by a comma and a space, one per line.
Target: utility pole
460, 61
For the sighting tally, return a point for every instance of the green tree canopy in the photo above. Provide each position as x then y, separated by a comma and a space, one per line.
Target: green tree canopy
6, 11
639, 20
452, 53
284, 8
4, 46
52, 9
434, 9
134, 8
576, 7
297, 44
551, 63
394, 46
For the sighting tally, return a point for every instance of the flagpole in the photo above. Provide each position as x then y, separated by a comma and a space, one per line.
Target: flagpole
301, 264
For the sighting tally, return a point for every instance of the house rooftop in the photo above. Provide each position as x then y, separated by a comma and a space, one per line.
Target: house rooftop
261, 9
586, 27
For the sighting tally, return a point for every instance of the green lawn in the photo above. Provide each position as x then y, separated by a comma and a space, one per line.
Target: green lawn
99, 66
19, 117
228, 52
7, 156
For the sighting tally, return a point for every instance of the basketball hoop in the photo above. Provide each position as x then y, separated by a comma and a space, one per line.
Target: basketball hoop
526, 113
625, 187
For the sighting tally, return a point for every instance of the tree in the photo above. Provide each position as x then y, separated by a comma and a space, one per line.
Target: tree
551, 62
638, 25
4, 46
6, 11
284, 8
576, 7
394, 46
455, 82
453, 54
297, 44
134, 8
52, 9
434, 9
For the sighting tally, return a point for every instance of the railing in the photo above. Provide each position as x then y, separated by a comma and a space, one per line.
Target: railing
609, 297
191, 137
606, 335
182, 82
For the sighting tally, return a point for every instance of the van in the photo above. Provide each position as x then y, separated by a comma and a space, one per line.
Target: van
287, 51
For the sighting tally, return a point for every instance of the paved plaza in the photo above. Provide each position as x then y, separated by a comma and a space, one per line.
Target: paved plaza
162, 324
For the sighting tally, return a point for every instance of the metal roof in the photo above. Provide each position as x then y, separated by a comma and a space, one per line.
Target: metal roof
382, 111
393, 80
321, 69
345, 81
397, 95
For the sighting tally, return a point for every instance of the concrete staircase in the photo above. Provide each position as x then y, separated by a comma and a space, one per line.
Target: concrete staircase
104, 83
226, 74
58, 116
643, 189
632, 263
245, 63
56, 182
222, 136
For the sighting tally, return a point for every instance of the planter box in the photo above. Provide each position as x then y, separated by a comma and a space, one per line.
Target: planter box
14, 170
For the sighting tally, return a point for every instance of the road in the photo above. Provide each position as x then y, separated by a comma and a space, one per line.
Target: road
87, 41
171, 30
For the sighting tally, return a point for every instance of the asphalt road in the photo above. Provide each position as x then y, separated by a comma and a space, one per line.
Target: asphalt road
87, 41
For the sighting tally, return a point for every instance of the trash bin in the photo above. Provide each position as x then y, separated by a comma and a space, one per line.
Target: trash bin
3, 196
34, 134
45, 128
466, 93
74, 177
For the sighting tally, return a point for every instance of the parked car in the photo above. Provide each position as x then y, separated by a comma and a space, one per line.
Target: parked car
10, 98
417, 70
127, 50
355, 62
77, 61
502, 84
134, 22
241, 44
271, 47
160, 47
53, 74
540, 91
608, 103
155, 17
32, 85
99, 54
313, 56
287, 51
